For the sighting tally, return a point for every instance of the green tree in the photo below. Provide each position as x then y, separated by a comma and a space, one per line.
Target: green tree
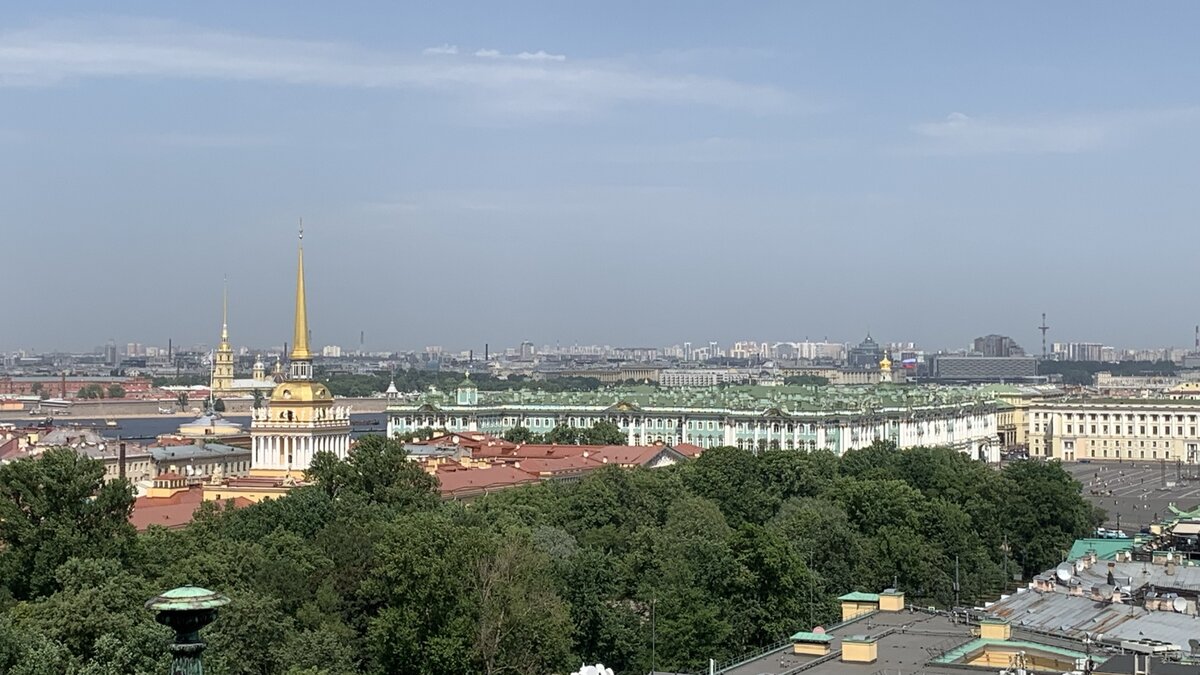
219, 405
563, 435
521, 435
523, 625
90, 391
258, 399
602, 433
377, 469
806, 380
1044, 512
116, 391
182, 400
55, 507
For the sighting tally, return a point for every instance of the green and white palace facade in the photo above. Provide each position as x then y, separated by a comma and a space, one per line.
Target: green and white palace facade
754, 418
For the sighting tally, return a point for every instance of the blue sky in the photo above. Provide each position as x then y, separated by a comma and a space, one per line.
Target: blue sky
617, 172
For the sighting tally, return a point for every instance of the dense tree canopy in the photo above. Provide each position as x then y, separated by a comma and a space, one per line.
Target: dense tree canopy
367, 571
1084, 372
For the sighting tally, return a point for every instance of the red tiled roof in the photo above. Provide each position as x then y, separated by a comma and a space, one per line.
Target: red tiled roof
555, 466
10, 449
459, 481
535, 450
629, 455
688, 450
174, 511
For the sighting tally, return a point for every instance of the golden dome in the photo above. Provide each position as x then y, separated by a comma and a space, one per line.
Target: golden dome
302, 391
885, 363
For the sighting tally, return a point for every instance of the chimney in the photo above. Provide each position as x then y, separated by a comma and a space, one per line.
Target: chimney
860, 649
121, 460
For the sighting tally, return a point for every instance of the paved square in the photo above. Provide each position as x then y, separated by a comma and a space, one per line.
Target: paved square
1133, 492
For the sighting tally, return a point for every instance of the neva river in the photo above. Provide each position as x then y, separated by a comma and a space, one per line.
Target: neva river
145, 428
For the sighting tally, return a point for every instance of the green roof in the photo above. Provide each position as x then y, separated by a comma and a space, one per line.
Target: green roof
960, 652
860, 597
187, 598
790, 399
1106, 549
806, 636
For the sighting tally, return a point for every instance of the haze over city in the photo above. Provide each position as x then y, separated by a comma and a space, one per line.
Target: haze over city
614, 173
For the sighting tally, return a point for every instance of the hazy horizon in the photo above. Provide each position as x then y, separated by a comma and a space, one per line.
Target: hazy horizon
615, 173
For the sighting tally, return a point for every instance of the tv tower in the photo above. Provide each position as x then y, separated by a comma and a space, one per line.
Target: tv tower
1043, 328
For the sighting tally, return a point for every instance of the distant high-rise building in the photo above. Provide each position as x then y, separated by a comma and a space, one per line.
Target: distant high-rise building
331, 351
526, 351
866, 354
110, 353
997, 345
1084, 351
687, 351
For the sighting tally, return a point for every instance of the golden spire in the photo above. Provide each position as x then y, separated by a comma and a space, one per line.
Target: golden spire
300, 335
225, 310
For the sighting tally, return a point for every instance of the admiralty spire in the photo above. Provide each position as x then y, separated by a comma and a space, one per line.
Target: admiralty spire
301, 419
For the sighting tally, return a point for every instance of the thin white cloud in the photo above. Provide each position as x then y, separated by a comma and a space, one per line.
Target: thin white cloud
537, 83
443, 50
540, 55
960, 134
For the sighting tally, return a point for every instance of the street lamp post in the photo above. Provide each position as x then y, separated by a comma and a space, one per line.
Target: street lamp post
186, 610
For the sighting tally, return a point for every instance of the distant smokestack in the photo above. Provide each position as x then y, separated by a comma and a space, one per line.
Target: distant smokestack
471, 356
170, 349
121, 460
485, 352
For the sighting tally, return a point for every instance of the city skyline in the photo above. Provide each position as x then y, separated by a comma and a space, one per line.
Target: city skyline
913, 171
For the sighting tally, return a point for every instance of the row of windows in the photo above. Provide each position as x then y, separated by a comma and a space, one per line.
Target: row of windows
1117, 429
775, 444
1129, 417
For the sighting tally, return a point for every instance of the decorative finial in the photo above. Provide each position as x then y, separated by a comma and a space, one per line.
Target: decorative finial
302, 229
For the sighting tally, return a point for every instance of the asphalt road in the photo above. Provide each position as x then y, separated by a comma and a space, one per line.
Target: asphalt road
1133, 493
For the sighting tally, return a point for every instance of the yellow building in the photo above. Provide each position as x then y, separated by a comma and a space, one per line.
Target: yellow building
223, 382
1012, 408
1111, 429
300, 419
222, 372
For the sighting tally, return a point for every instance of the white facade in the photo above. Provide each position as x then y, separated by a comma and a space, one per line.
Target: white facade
970, 428
289, 445
1115, 429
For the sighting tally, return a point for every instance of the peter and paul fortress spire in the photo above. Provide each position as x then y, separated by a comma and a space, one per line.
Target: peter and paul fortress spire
222, 371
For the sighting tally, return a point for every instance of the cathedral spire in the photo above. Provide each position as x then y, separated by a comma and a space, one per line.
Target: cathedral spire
225, 310
300, 334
